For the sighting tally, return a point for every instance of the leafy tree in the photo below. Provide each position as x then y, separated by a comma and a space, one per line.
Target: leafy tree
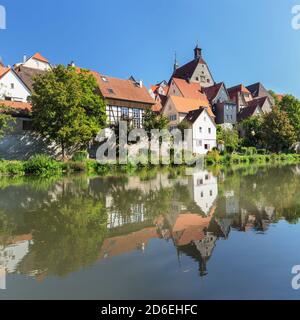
5, 120
279, 134
154, 121
291, 106
228, 137
183, 125
275, 97
252, 131
67, 108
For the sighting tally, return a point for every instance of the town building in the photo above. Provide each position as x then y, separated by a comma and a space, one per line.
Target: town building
203, 136
196, 70
224, 109
12, 88
177, 108
240, 95
259, 91
125, 99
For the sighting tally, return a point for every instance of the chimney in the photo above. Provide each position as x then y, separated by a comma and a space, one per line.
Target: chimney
141, 83
24, 58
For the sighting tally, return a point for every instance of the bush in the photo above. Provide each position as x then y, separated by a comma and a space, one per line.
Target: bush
80, 156
96, 167
42, 165
75, 166
15, 168
213, 157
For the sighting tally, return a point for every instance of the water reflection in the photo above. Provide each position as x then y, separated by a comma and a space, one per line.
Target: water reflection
59, 227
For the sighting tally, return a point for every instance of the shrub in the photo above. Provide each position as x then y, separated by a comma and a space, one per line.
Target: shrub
42, 165
14, 168
213, 157
80, 156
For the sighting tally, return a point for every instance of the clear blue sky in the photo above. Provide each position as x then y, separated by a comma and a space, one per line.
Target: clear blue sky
243, 41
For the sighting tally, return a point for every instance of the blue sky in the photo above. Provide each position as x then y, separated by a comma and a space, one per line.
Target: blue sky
243, 41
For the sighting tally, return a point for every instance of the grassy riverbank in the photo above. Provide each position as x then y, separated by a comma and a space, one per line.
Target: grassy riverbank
41, 165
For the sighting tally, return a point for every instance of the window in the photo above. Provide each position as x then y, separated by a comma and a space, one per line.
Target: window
27, 125
200, 129
208, 81
199, 182
199, 143
202, 78
206, 177
125, 112
211, 193
207, 147
12, 85
173, 117
197, 78
111, 91
202, 194
209, 130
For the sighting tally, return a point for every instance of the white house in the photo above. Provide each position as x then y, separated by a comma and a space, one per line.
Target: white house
37, 61
12, 88
203, 136
203, 187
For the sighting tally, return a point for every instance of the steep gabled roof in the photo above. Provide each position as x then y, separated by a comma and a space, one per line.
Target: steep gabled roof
190, 90
258, 90
248, 112
258, 102
212, 92
239, 88
3, 71
185, 105
119, 89
27, 75
39, 57
193, 115
187, 70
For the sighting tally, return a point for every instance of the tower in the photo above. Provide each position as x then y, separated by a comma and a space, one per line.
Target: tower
176, 65
197, 52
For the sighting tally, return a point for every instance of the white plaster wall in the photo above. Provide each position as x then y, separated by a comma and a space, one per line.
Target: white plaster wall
18, 93
205, 122
204, 188
37, 64
203, 71
174, 91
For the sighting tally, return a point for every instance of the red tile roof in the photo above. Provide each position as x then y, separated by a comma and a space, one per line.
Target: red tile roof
187, 70
3, 71
211, 92
239, 88
185, 105
119, 89
248, 112
39, 57
189, 89
18, 106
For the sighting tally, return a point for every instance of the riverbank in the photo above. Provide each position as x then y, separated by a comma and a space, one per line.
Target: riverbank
41, 165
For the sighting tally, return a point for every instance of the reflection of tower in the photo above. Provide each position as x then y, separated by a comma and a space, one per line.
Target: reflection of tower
203, 186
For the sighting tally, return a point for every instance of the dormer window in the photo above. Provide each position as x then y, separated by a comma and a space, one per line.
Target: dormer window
111, 91
12, 85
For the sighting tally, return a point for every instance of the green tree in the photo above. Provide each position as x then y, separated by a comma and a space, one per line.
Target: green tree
275, 97
291, 106
154, 121
67, 108
252, 132
279, 134
5, 120
228, 137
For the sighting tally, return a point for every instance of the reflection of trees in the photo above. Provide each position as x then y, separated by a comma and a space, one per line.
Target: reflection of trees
67, 234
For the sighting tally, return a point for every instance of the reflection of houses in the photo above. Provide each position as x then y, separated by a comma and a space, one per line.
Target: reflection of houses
203, 187
115, 246
13, 252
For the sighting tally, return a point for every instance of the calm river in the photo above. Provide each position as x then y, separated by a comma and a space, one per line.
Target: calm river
155, 235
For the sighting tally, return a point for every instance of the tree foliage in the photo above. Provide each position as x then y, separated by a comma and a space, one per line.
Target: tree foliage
279, 134
5, 120
67, 108
291, 106
228, 137
252, 132
154, 121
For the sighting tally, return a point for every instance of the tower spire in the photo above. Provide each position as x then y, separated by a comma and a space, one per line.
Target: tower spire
176, 65
198, 51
